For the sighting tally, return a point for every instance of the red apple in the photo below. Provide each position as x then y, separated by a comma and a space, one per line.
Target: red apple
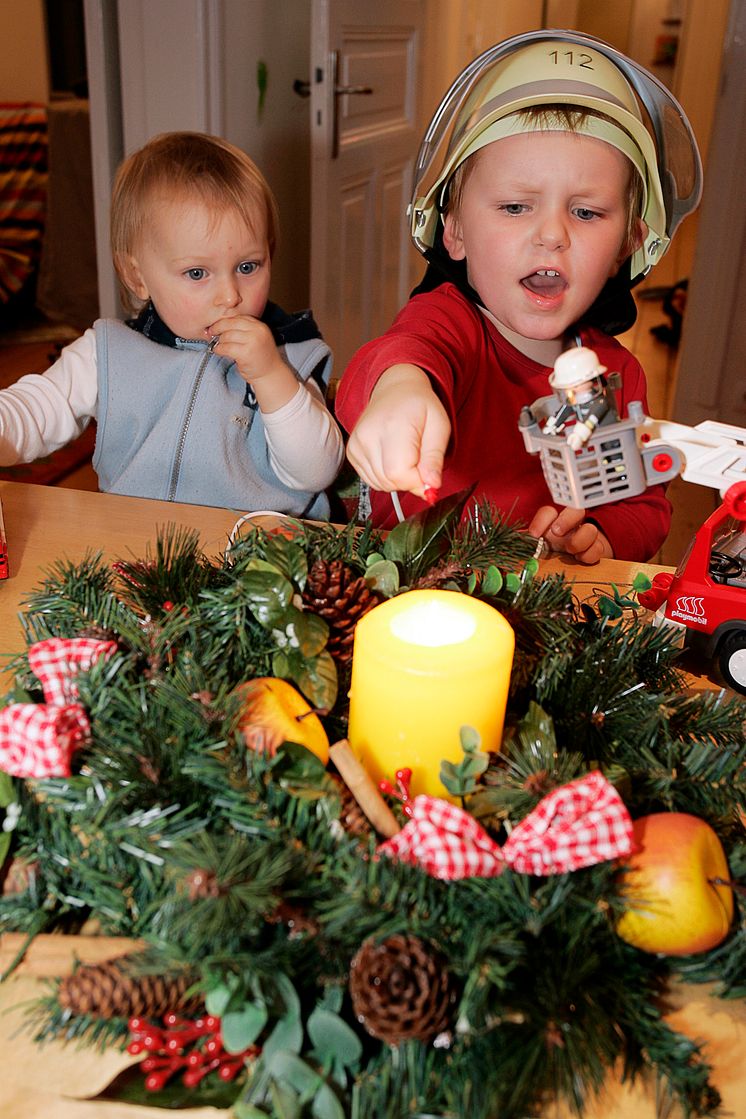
674, 905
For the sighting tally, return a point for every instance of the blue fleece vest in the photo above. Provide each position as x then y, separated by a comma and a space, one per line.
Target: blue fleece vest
174, 424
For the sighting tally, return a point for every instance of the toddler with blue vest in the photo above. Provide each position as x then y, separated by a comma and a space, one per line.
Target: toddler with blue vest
210, 394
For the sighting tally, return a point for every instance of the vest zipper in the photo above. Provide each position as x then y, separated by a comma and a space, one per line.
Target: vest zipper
182, 438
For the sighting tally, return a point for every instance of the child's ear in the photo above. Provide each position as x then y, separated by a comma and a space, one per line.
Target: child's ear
453, 238
130, 272
631, 243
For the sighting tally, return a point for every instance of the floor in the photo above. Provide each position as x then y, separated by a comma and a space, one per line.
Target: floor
27, 349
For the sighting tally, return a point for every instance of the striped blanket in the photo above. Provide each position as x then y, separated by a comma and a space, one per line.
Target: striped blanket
23, 192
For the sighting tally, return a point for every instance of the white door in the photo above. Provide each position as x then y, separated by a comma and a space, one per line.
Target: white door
365, 131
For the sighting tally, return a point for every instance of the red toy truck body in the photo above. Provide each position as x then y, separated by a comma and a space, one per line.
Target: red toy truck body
707, 592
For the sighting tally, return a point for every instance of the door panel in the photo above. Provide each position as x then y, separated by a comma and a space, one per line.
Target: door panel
363, 150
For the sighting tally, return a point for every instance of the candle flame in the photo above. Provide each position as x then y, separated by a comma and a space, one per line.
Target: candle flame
433, 624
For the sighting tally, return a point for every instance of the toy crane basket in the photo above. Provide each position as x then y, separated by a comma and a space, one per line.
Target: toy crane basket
610, 466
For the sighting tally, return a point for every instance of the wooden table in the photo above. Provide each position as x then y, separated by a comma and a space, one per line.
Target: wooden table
44, 525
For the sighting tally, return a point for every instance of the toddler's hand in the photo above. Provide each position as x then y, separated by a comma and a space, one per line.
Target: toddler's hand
400, 440
566, 530
249, 343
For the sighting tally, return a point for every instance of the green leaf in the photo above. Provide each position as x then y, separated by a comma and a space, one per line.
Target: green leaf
333, 1039
306, 632
268, 592
287, 557
493, 580
383, 576
287, 1068
513, 582
287, 1034
530, 567
641, 582
4, 845
471, 739
316, 678
7, 789
608, 608
326, 1105
420, 540
241, 1028
217, 999
471, 583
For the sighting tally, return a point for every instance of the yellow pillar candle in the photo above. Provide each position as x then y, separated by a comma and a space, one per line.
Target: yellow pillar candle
426, 663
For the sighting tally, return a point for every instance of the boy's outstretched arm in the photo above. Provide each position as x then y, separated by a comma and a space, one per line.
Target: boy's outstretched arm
566, 530
400, 440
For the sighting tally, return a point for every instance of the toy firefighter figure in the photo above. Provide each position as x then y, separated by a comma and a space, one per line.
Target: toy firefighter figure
585, 393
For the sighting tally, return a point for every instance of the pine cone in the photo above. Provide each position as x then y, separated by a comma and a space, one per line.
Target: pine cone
400, 989
110, 990
341, 598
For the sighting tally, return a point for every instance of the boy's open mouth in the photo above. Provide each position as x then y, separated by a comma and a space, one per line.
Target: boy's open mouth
545, 281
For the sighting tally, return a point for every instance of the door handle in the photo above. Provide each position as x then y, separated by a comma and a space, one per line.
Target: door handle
341, 91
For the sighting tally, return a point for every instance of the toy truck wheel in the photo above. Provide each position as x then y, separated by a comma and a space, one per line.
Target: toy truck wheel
732, 661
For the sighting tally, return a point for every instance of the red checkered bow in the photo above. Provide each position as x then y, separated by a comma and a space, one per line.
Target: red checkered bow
39, 739
580, 824
58, 660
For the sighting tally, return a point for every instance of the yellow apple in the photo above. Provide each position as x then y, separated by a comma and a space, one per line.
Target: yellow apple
674, 905
273, 711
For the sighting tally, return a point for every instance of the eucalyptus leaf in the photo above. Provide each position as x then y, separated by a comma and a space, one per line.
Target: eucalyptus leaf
4, 845
287, 1034
471, 739
608, 608
287, 1068
241, 1028
641, 582
493, 580
513, 582
326, 1105
218, 998
333, 1039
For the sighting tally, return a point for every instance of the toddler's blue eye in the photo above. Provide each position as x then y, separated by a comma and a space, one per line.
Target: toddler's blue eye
196, 273
585, 214
246, 267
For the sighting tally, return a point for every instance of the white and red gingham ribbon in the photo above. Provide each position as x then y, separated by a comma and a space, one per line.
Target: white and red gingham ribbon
580, 824
58, 660
39, 739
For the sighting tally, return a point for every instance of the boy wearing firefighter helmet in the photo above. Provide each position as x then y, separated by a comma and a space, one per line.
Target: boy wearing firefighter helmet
550, 180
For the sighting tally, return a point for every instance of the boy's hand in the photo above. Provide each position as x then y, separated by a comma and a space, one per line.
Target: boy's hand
249, 343
566, 530
400, 440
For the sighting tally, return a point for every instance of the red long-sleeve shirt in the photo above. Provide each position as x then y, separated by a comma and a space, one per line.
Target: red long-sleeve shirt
483, 382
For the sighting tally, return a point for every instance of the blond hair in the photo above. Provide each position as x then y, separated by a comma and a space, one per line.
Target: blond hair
187, 164
540, 117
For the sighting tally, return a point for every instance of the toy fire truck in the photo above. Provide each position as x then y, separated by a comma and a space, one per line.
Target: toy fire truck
706, 595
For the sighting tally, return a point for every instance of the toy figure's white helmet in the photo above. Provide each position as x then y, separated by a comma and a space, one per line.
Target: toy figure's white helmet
566, 68
574, 367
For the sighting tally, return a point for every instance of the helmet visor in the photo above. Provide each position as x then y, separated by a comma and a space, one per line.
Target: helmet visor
569, 68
